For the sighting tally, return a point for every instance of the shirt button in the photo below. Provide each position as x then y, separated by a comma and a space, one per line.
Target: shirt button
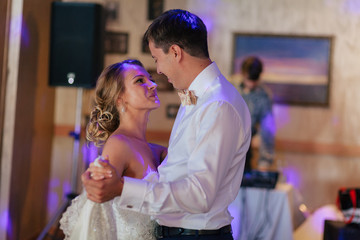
129, 206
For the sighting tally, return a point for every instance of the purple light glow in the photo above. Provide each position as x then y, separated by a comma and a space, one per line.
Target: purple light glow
53, 198
270, 124
292, 176
5, 222
15, 27
66, 187
25, 35
208, 23
282, 115
52, 202
54, 183
90, 152
316, 221
352, 6
4, 217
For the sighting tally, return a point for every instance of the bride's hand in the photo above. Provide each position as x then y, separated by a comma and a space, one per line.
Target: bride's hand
105, 189
97, 171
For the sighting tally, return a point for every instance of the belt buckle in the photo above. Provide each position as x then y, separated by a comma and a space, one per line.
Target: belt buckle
159, 233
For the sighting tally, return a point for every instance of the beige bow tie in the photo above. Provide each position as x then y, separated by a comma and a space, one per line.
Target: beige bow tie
187, 97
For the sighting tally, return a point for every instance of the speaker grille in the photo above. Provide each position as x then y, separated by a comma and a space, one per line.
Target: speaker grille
76, 44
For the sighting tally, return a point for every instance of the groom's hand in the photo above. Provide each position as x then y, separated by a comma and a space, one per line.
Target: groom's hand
106, 189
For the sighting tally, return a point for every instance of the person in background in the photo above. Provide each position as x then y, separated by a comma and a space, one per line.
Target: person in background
202, 172
259, 101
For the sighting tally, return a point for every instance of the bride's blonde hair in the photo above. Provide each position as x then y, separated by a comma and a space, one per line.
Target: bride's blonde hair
105, 117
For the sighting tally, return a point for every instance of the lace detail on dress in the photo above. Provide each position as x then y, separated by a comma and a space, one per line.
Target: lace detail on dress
133, 225
85, 219
71, 215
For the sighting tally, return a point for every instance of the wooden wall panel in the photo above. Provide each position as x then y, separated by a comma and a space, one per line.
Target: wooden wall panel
33, 125
4, 21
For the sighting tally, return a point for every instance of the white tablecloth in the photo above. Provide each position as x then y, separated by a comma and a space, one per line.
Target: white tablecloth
264, 214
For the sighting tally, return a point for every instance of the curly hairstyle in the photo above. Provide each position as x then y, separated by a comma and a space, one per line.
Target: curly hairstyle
105, 117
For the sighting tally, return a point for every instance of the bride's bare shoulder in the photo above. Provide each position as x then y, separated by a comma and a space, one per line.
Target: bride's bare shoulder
118, 149
118, 141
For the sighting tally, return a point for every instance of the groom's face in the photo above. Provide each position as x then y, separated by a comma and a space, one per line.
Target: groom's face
165, 63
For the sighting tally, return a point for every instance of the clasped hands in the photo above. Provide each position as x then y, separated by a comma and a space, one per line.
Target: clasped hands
102, 183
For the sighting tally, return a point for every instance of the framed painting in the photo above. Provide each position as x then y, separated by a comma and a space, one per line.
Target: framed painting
116, 42
171, 110
155, 8
144, 47
296, 69
111, 10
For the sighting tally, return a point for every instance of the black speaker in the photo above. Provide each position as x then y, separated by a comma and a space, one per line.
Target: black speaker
338, 230
76, 44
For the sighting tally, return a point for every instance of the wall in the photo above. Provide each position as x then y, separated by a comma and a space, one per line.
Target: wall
4, 19
322, 132
332, 125
321, 141
28, 126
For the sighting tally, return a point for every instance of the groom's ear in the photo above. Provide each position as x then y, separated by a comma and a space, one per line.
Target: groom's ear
176, 52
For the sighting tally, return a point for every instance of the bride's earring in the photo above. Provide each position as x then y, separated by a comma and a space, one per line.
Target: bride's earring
121, 103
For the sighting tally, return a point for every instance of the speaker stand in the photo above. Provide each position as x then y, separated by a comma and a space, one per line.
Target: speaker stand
74, 173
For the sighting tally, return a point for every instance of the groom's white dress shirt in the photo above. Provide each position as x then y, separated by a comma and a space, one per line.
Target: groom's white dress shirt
202, 172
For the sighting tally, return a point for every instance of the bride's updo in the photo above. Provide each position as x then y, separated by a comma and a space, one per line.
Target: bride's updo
105, 118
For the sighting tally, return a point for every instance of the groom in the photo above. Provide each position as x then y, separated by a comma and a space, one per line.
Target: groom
202, 172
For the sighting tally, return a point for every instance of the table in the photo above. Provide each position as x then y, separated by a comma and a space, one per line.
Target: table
263, 213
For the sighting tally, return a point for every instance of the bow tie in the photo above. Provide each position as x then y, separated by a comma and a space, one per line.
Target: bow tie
187, 97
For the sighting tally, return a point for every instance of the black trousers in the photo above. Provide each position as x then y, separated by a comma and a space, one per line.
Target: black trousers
223, 236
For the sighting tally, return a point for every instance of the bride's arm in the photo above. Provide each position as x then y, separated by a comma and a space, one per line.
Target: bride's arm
117, 151
120, 153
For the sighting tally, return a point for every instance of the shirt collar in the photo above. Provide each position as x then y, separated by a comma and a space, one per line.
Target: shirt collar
204, 80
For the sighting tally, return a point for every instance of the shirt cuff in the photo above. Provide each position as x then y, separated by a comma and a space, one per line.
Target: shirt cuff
133, 194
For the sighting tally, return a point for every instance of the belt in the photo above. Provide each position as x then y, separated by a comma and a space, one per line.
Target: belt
163, 231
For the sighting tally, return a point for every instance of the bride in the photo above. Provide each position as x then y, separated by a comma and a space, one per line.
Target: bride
125, 95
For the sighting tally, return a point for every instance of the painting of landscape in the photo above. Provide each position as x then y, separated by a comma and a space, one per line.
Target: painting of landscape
296, 68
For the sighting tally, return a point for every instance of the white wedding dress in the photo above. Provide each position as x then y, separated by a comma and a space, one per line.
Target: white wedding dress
88, 220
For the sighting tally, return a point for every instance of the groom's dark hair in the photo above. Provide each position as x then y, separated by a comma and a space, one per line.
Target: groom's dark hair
179, 27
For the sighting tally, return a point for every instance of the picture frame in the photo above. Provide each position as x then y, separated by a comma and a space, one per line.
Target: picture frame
111, 8
172, 110
155, 8
161, 81
296, 68
116, 42
144, 47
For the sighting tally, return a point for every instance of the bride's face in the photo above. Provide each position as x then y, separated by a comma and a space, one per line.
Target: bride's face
140, 90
